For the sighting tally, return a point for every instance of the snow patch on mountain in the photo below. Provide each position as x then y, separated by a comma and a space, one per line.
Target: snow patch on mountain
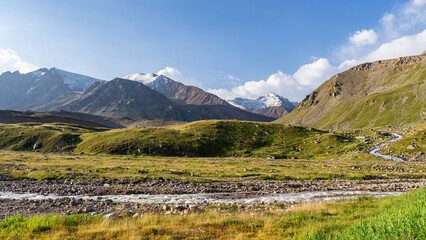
270, 100
144, 78
40, 72
151, 80
30, 90
74, 81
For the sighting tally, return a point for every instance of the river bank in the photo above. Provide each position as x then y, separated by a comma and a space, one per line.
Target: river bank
126, 197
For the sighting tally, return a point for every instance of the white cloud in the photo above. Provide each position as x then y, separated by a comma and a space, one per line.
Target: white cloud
170, 72
292, 87
400, 33
388, 23
230, 77
175, 74
277, 82
311, 75
364, 37
404, 20
11, 61
404, 46
314, 73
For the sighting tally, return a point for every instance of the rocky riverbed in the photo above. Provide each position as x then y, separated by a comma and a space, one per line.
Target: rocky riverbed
149, 186
113, 198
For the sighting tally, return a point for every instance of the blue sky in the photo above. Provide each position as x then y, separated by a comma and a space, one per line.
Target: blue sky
233, 48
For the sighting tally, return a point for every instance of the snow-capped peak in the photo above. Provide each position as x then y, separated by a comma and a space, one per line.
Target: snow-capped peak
149, 79
75, 81
270, 100
273, 100
145, 78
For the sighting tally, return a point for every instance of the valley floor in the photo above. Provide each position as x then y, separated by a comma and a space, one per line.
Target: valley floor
341, 194
48, 195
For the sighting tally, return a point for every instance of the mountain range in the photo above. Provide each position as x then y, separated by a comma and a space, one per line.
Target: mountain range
386, 92
176, 91
368, 95
134, 100
136, 96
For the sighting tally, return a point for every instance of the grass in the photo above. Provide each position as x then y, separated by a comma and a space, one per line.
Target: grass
198, 139
401, 217
381, 109
212, 138
405, 219
56, 137
55, 166
218, 139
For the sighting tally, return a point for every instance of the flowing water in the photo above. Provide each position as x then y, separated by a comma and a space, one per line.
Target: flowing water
210, 198
376, 150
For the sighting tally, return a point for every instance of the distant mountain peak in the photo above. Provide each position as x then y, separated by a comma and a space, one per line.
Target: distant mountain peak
270, 100
75, 81
144, 78
177, 91
135, 100
272, 105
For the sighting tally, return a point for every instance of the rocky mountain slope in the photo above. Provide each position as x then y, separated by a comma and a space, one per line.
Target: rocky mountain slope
132, 99
387, 92
271, 105
40, 86
75, 81
176, 91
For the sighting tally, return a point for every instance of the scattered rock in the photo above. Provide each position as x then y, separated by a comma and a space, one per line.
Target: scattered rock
40, 209
110, 216
89, 208
412, 146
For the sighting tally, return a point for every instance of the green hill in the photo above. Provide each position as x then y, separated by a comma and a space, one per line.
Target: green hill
54, 137
389, 92
218, 138
211, 138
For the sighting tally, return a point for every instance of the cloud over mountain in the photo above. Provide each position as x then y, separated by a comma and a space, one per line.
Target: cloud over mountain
11, 61
400, 33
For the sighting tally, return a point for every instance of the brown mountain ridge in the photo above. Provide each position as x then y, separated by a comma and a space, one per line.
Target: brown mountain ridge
386, 92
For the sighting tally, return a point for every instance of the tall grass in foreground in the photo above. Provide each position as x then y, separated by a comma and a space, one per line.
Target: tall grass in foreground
362, 218
405, 219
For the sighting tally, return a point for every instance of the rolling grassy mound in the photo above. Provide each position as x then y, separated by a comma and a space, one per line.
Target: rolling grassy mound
219, 138
55, 137
211, 138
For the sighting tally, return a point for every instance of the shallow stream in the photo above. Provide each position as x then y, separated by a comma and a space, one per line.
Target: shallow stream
211, 198
376, 150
